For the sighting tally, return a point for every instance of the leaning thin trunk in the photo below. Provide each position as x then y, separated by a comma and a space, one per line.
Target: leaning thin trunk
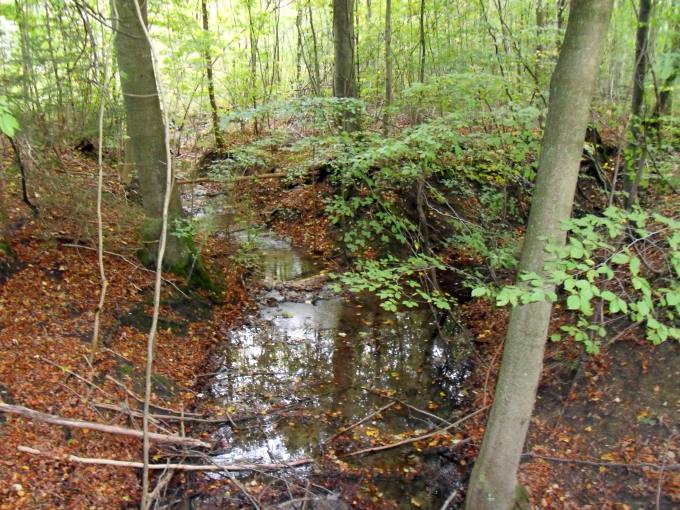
493, 485
636, 149
219, 137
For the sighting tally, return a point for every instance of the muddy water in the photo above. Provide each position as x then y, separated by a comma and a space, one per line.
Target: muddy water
307, 363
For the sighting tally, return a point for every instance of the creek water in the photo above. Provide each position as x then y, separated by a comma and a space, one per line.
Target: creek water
307, 363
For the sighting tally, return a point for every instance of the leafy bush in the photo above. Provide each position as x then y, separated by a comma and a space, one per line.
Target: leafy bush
621, 265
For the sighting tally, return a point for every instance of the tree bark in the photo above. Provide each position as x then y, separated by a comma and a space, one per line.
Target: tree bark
559, 22
635, 168
388, 66
664, 100
540, 24
493, 485
421, 44
146, 131
315, 50
253, 63
219, 137
344, 79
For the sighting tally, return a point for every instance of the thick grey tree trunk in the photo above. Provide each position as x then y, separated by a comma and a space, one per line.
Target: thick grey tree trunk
146, 131
493, 485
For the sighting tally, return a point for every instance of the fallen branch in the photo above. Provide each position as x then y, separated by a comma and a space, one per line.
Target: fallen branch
111, 429
179, 467
410, 440
168, 417
449, 500
406, 404
357, 423
141, 400
374, 449
125, 259
200, 180
634, 465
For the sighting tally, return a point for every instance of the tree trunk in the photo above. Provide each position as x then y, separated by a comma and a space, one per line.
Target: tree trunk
146, 131
540, 24
388, 66
299, 46
315, 49
219, 137
493, 485
635, 168
664, 101
421, 44
28, 82
253, 63
344, 79
559, 22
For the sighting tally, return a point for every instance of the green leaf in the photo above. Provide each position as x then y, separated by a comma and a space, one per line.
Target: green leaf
620, 258
479, 292
573, 302
635, 266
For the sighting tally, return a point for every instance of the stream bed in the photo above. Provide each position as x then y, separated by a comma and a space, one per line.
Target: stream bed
307, 363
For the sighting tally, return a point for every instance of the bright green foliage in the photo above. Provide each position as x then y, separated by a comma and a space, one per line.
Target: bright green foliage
621, 265
8, 124
376, 179
397, 283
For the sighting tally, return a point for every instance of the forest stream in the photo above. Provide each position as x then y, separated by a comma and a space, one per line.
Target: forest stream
308, 362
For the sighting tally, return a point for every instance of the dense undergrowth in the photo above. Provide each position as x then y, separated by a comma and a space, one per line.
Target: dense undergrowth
434, 213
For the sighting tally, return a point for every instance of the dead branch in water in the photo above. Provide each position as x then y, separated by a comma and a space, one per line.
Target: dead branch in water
179, 467
410, 440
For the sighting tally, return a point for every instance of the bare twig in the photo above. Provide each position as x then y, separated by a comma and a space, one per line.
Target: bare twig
159, 261
124, 258
90, 425
238, 178
659, 484
100, 223
178, 467
421, 437
357, 423
141, 400
168, 417
633, 465
79, 377
449, 500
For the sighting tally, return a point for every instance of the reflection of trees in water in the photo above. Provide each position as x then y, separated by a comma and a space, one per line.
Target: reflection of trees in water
313, 360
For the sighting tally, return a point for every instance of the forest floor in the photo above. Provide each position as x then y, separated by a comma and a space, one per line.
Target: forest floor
602, 427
